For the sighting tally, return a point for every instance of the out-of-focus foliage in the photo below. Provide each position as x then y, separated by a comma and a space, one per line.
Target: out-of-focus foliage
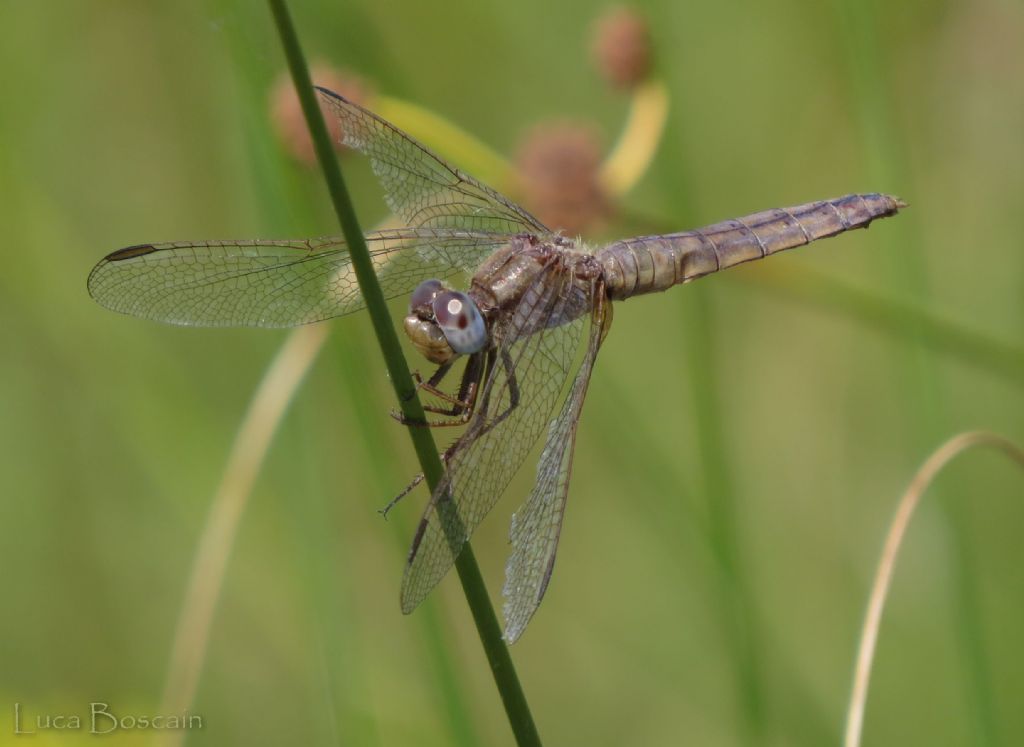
124, 122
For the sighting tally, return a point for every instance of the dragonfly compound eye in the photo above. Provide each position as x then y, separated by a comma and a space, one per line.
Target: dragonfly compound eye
422, 299
460, 320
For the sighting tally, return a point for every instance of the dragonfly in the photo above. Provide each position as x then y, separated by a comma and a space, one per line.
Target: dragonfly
528, 326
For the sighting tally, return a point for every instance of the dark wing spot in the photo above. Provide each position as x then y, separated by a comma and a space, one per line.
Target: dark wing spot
130, 251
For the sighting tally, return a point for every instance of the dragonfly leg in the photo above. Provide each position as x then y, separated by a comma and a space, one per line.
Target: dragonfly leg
480, 363
456, 401
445, 456
434, 381
432, 387
461, 409
513, 389
471, 404
462, 403
394, 501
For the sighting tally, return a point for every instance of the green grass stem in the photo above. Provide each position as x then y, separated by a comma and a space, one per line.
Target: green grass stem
887, 168
895, 317
736, 608
505, 677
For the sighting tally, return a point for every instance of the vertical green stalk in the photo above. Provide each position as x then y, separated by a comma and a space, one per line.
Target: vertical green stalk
732, 596
736, 607
886, 168
276, 188
486, 621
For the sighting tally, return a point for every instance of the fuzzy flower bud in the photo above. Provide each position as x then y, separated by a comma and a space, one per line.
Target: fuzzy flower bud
558, 167
621, 47
286, 111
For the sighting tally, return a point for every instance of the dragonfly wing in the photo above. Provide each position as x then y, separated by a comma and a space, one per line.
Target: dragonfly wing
275, 283
419, 185
522, 391
537, 525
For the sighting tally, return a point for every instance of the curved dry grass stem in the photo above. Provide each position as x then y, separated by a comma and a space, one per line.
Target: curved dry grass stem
266, 409
886, 564
635, 149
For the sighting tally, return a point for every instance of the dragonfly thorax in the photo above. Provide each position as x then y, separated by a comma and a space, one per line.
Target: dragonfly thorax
443, 323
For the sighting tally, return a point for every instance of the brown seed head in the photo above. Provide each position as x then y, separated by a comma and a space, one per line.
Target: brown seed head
621, 47
286, 111
558, 168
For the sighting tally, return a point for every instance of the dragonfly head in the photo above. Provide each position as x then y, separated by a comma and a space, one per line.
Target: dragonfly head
443, 323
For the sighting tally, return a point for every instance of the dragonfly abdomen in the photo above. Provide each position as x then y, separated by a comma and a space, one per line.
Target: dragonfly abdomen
654, 263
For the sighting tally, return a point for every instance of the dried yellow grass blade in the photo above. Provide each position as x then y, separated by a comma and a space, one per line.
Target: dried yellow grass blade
887, 563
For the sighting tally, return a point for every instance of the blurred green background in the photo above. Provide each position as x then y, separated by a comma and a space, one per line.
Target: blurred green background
743, 445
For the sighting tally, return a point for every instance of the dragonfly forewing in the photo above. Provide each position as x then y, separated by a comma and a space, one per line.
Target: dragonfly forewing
275, 283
